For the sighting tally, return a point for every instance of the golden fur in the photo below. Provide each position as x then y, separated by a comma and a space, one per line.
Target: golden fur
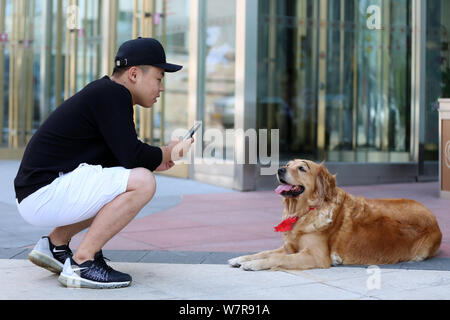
335, 227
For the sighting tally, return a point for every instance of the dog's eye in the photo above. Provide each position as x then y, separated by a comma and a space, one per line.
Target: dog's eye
301, 169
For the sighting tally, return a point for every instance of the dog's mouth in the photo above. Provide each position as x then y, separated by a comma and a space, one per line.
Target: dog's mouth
288, 190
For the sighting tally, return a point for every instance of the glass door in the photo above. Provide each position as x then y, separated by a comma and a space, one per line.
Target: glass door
19, 76
171, 26
167, 21
336, 87
42, 66
438, 71
135, 19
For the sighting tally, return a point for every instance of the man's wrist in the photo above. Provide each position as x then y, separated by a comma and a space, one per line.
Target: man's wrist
165, 154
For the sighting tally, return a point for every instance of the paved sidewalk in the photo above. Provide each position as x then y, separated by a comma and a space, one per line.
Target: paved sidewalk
22, 280
178, 245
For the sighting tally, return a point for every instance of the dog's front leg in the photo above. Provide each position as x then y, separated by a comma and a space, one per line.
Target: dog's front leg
299, 261
236, 262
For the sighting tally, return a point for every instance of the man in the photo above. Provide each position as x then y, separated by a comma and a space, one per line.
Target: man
86, 167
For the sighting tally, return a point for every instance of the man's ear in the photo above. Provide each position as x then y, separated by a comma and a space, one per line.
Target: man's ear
132, 74
325, 184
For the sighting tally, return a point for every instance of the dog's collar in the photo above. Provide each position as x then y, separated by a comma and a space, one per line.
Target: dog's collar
286, 224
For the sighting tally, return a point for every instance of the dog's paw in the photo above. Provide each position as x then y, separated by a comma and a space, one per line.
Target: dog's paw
236, 262
255, 265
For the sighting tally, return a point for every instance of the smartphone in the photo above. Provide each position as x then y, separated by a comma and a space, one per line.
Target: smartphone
191, 132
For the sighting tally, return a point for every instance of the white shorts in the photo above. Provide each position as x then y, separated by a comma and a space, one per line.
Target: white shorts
75, 196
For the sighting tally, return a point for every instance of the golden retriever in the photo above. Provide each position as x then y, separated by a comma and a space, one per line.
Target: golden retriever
328, 226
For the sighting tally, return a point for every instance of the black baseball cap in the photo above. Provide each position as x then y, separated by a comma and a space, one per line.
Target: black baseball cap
143, 51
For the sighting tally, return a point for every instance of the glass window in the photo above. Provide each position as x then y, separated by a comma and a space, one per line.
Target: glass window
40, 64
219, 50
124, 21
21, 65
337, 89
92, 42
173, 32
5, 54
437, 71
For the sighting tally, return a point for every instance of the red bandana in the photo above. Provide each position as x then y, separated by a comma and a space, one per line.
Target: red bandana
286, 225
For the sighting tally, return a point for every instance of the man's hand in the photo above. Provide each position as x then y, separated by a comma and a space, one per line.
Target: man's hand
181, 148
176, 150
165, 166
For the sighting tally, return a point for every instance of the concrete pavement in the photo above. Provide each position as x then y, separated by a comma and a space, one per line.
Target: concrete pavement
178, 246
22, 280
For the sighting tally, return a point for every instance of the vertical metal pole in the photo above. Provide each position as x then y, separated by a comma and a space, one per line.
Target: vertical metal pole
342, 57
109, 35
98, 43
12, 73
142, 111
67, 58
19, 94
46, 59
302, 32
273, 80
245, 89
74, 55
146, 115
321, 107
136, 20
418, 78
355, 83
151, 122
113, 35
314, 68
195, 77
378, 121
59, 54
85, 57
385, 67
163, 94
2, 68
29, 58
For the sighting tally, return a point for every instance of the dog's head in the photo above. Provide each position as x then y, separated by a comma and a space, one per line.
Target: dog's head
307, 181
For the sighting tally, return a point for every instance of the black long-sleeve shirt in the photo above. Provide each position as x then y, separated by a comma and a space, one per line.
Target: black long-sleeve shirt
94, 126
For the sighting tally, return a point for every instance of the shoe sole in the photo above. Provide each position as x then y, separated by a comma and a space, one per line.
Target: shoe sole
77, 282
45, 262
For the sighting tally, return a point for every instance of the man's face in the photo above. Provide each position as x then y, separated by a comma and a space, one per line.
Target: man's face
148, 85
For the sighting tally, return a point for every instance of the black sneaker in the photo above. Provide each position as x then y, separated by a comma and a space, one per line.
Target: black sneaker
49, 256
94, 274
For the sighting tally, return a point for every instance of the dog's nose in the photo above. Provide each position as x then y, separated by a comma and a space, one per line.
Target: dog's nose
281, 171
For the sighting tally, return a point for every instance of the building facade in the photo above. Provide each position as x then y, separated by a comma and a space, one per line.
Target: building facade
354, 83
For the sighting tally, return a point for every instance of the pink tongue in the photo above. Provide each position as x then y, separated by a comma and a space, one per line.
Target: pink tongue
283, 187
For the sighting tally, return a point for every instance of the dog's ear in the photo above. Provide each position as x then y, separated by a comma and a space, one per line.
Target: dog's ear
325, 184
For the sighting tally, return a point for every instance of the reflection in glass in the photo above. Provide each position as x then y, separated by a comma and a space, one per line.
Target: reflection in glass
173, 31
438, 71
219, 58
34, 51
337, 90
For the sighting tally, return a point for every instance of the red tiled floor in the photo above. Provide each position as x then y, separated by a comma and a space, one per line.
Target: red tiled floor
244, 221
119, 242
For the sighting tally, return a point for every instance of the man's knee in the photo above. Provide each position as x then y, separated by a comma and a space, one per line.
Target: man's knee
143, 181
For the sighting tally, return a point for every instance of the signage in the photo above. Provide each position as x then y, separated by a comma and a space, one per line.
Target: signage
445, 161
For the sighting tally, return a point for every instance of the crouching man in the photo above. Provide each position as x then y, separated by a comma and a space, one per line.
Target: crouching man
86, 168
